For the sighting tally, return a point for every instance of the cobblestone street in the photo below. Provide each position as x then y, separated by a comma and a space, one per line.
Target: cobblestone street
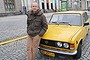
13, 26
14, 51
18, 51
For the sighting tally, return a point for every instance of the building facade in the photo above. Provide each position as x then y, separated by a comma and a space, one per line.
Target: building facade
44, 4
10, 6
50, 4
88, 5
77, 4
68, 4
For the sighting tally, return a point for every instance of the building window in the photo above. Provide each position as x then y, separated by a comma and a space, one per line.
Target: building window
47, 1
43, 6
52, 6
9, 5
80, 5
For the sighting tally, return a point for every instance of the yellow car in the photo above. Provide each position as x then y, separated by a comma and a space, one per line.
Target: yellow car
65, 34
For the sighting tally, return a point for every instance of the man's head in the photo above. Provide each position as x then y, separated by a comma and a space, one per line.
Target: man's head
34, 6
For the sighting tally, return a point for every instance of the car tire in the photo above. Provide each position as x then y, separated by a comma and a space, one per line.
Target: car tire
79, 52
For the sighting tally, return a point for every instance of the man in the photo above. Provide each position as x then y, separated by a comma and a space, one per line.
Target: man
36, 27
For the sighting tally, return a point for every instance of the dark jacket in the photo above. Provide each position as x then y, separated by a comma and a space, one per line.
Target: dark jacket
36, 23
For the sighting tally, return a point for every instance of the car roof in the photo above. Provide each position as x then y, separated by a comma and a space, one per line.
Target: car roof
75, 12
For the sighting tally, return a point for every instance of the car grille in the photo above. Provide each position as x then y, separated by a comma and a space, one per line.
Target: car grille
51, 43
48, 42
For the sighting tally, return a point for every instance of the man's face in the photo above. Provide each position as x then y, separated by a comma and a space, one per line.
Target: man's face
34, 6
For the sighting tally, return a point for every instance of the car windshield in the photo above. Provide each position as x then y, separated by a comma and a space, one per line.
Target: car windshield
71, 19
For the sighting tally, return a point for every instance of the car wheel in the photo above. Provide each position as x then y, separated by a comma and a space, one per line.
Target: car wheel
79, 52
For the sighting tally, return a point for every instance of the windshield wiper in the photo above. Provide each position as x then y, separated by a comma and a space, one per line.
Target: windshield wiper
61, 22
65, 23
54, 22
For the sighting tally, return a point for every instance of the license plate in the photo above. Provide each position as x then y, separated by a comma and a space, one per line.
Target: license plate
48, 53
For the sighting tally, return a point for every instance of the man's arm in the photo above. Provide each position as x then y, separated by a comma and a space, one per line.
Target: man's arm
44, 26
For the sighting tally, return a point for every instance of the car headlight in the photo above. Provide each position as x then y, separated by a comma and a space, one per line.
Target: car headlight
59, 44
65, 45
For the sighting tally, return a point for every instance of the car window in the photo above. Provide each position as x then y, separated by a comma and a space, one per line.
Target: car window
72, 19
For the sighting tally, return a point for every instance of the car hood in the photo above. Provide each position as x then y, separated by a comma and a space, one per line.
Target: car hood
61, 32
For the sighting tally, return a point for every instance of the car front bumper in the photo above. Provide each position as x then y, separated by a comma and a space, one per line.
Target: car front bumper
60, 52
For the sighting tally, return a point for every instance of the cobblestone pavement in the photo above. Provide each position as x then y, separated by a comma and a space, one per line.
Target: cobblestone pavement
18, 51
86, 48
14, 26
14, 51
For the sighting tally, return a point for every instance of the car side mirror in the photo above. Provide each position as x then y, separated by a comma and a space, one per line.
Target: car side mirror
87, 23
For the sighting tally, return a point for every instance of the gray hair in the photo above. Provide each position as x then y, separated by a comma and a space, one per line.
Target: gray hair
35, 3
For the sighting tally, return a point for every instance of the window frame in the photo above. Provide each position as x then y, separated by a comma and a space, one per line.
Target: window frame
9, 5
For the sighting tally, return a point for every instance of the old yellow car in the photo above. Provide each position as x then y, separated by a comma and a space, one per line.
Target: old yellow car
66, 32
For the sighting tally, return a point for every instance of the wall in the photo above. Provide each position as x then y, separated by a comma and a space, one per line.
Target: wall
18, 5
2, 10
